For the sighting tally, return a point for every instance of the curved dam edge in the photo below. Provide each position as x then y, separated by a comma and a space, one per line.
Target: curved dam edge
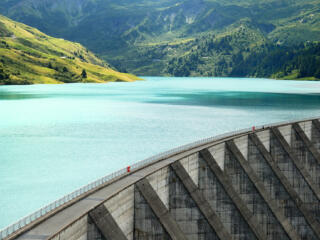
73, 219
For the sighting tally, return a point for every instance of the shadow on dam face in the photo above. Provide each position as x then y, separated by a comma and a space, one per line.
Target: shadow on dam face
261, 184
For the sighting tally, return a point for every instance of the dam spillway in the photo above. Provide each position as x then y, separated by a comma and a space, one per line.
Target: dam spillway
262, 183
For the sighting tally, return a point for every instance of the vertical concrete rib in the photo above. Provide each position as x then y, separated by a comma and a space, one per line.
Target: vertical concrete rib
316, 124
315, 134
93, 233
284, 181
106, 224
186, 212
261, 189
307, 142
245, 212
201, 202
307, 154
160, 210
299, 166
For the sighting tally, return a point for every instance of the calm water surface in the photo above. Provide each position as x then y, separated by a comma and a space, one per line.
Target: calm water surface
56, 138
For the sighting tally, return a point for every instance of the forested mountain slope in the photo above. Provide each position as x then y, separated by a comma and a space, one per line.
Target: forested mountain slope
148, 37
28, 56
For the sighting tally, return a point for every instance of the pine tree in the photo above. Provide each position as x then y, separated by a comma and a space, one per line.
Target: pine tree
84, 74
3, 74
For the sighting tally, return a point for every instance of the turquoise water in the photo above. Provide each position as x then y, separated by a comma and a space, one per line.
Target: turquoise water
56, 138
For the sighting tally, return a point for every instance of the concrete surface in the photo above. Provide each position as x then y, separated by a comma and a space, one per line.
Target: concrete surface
261, 185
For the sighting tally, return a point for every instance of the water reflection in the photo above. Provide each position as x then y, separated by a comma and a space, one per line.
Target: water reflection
241, 99
6, 95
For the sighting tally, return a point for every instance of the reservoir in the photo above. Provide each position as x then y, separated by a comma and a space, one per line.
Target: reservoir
57, 138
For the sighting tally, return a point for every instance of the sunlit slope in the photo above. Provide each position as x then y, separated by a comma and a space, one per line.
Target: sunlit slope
27, 56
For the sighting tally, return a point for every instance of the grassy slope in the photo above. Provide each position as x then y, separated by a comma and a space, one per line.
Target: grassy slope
213, 55
29, 56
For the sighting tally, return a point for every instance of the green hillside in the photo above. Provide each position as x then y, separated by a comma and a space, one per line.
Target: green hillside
245, 52
28, 56
148, 37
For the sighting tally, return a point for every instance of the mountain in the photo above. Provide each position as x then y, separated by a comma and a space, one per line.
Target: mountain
244, 51
28, 56
146, 37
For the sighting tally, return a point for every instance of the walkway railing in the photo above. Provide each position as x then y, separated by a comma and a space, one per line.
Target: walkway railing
6, 232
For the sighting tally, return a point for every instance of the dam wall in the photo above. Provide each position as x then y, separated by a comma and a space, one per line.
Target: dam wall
262, 183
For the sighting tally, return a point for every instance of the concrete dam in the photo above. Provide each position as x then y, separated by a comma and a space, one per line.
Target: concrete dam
262, 183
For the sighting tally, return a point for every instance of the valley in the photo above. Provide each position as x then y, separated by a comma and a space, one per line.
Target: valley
184, 37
